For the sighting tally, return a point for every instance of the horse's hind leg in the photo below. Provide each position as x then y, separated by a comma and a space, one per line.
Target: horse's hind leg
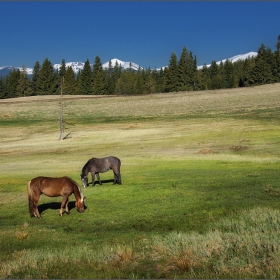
98, 177
36, 211
117, 177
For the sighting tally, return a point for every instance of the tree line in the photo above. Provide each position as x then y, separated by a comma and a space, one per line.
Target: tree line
181, 74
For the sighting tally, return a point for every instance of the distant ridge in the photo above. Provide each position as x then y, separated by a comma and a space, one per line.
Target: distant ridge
234, 58
78, 66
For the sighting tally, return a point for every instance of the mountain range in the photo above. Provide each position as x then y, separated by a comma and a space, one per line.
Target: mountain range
78, 66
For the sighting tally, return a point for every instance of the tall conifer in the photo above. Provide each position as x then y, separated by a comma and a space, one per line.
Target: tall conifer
35, 77
69, 84
98, 85
24, 86
85, 79
172, 75
47, 79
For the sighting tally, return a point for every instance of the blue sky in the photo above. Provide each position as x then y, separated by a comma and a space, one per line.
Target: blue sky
142, 32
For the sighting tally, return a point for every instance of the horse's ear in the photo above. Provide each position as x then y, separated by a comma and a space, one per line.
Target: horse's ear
84, 199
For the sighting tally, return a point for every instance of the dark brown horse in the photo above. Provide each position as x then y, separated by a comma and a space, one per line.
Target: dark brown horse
52, 187
101, 165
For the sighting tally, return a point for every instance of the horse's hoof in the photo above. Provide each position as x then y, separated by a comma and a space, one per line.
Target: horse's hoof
68, 213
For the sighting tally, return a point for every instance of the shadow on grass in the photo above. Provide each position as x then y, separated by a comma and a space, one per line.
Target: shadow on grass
55, 206
102, 181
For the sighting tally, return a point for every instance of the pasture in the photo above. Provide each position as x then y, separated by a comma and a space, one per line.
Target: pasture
200, 193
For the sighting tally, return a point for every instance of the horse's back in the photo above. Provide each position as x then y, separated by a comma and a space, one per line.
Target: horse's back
53, 186
114, 159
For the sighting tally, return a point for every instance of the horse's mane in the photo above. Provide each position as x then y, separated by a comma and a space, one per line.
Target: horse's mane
83, 170
75, 183
85, 166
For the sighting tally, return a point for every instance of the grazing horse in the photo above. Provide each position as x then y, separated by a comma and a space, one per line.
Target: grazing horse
101, 165
52, 187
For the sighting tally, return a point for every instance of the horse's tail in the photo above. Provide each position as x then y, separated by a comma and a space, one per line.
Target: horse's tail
30, 199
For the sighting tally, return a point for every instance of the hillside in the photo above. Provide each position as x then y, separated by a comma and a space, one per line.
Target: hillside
199, 195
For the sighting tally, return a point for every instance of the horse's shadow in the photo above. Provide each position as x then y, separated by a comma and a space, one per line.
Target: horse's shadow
103, 182
54, 206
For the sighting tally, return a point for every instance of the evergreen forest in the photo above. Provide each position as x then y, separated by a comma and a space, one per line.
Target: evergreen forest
181, 74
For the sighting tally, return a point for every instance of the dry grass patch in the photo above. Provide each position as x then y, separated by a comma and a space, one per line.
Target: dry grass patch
205, 151
237, 148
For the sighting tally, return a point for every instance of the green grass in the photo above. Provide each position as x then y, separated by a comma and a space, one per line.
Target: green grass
200, 193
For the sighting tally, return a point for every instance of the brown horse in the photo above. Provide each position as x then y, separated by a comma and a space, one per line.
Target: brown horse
101, 165
52, 187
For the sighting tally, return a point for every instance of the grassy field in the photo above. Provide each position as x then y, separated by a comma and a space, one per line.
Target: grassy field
200, 193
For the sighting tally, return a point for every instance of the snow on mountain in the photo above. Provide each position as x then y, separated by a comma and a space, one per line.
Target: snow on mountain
5, 70
78, 66
234, 58
125, 65
29, 71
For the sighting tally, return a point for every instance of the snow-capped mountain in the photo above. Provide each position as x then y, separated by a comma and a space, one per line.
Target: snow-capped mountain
78, 66
5, 70
124, 65
234, 58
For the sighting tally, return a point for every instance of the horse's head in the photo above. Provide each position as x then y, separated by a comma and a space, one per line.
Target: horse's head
80, 204
84, 179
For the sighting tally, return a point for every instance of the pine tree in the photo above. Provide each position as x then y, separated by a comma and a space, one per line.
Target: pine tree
187, 70
99, 78
204, 77
69, 84
99, 85
109, 79
195, 74
228, 75
35, 77
183, 70
47, 80
215, 76
24, 86
85, 79
172, 75
139, 82
117, 73
149, 85
12, 83
3, 92
247, 72
62, 69
55, 89
262, 72
158, 76
125, 84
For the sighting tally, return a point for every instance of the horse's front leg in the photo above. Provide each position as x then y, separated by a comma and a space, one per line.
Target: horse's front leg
66, 207
98, 177
93, 178
64, 201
